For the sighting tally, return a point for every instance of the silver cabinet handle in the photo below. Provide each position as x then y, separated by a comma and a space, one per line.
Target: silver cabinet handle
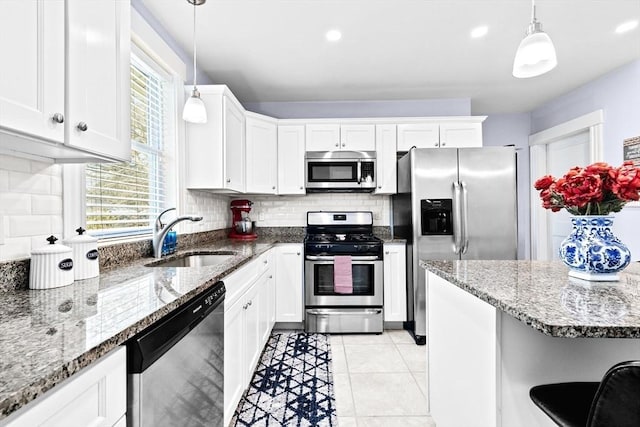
58, 118
82, 126
347, 313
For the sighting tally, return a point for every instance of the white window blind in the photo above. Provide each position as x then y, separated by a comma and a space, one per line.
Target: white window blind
123, 199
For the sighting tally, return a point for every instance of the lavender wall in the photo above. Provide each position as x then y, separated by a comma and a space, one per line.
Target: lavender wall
342, 109
513, 129
618, 95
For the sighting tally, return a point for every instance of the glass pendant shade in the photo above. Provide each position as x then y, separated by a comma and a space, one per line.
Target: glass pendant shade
194, 110
536, 55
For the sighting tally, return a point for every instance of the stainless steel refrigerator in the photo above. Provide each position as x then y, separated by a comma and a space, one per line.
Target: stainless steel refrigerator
453, 204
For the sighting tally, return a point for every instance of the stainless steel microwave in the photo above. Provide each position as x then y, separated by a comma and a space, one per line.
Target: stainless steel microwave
340, 171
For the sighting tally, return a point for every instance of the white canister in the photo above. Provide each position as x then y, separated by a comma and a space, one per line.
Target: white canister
85, 255
51, 266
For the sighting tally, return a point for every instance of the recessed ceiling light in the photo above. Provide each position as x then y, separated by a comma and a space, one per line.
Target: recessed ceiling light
626, 26
333, 35
478, 32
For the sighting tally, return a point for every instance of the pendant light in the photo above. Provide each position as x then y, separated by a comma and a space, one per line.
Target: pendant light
536, 54
194, 110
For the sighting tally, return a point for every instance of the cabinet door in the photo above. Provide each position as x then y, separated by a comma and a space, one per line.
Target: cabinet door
234, 359
263, 308
262, 165
253, 336
458, 135
289, 283
271, 300
321, 137
358, 137
95, 396
234, 145
291, 148
420, 135
98, 77
395, 282
32, 75
386, 162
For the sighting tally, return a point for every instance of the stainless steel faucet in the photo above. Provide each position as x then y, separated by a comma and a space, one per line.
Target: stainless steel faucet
160, 230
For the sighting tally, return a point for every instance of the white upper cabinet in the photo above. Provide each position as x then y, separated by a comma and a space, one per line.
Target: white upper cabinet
358, 137
291, 148
332, 137
64, 90
442, 133
32, 74
215, 151
386, 162
262, 154
98, 77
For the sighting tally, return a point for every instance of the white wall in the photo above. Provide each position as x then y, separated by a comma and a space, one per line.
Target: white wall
618, 95
30, 205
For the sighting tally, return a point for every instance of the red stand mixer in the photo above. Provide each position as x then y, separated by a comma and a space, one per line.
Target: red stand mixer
242, 227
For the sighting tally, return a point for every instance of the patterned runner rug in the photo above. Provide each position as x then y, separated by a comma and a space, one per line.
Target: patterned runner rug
292, 385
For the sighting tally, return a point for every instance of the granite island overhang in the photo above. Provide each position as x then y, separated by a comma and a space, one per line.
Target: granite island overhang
497, 328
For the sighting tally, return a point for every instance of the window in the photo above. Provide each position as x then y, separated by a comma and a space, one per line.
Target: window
123, 199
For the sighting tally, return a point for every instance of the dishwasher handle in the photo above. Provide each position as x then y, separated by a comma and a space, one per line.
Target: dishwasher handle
150, 344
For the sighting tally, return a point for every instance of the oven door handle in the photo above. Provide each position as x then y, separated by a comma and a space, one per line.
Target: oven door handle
332, 258
343, 313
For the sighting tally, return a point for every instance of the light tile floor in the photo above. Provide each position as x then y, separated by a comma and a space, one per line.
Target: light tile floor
380, 380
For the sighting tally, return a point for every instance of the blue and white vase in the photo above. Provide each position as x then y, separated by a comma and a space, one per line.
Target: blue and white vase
592, 252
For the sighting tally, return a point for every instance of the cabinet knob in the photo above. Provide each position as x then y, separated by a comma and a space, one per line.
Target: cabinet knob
379, 187
58, 118
265, 261
244, 307
271, 276
273, 188
386, 253
435, 145
337, 145
344, 145
301, 188
82, 126
298, 253
250, 302
228, 180
443, 143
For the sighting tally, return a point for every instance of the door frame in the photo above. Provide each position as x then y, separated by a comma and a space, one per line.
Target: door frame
538, 142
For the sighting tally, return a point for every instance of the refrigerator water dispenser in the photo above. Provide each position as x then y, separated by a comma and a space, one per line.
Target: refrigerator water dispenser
436, 217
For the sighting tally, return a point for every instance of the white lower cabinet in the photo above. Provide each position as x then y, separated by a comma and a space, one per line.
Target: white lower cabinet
248, 320
289, 283
395, 282
96, 396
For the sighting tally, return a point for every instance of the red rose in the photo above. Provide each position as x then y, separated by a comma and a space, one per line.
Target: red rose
544, 182
626, 185
577, 189
604, 170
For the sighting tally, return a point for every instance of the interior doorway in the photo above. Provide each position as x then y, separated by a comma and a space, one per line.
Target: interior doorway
554, 151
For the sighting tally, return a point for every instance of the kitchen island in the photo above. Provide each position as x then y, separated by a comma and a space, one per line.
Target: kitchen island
497, 328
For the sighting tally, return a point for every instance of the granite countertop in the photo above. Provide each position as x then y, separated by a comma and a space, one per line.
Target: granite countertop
47, 335
542, 295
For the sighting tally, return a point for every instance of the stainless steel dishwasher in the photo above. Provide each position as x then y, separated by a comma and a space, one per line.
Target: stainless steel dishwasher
176, 367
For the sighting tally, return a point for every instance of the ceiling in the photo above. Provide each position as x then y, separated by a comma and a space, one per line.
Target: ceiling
275, 50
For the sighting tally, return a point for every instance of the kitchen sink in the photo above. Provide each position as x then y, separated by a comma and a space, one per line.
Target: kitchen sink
200, 259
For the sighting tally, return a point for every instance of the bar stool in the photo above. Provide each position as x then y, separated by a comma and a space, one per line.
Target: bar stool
613, 402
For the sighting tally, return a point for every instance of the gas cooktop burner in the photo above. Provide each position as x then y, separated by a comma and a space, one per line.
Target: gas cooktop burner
337, 238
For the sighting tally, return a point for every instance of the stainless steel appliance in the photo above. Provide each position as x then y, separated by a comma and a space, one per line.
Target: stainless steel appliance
176, 367
340, 171
331, 234
453, 204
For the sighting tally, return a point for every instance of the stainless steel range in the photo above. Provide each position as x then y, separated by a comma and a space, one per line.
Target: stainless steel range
342, 273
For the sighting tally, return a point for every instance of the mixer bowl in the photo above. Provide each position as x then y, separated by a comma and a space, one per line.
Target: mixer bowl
244, 227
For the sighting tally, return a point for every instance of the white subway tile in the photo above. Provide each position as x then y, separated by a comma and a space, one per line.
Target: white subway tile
15, 203
46, 205
11, 163
56, 185
26, 182
29, 225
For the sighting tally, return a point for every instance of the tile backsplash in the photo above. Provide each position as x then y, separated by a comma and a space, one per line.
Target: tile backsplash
30, 205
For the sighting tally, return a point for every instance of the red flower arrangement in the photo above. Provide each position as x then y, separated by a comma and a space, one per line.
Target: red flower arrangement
597, 189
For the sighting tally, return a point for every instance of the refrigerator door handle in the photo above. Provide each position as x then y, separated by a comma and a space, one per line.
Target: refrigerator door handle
465, 218
457, 220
